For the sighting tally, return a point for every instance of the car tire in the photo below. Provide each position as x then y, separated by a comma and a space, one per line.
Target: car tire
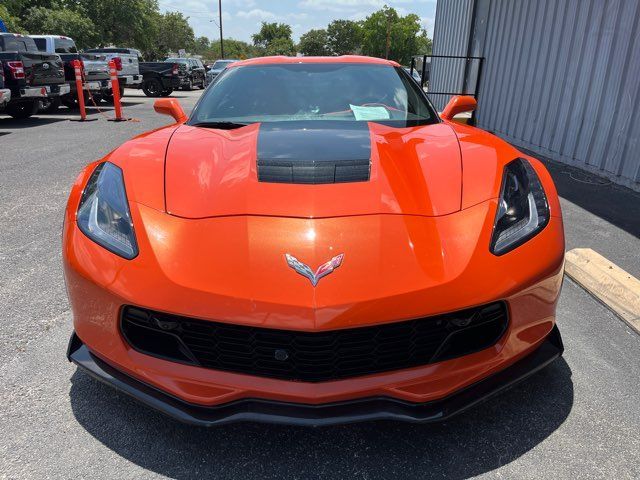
189, 86
167, 92
71, 101
49, 105
152, 88
107, 95
23, 109
97, 98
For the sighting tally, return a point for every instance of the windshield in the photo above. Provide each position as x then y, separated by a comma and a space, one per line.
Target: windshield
314, 91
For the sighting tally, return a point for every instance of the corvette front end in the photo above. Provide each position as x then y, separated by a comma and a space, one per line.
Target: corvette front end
254, 287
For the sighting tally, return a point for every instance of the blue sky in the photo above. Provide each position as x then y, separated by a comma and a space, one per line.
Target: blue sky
241, 18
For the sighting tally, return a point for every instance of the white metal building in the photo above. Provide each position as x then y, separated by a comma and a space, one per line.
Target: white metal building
560, 77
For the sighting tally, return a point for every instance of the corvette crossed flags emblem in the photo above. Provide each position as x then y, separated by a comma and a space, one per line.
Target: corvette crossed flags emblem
322, 271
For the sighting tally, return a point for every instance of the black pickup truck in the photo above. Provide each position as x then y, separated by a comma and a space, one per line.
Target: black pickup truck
29, 74
159, 79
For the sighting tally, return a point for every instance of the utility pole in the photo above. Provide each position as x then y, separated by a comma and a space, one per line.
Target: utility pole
220, 17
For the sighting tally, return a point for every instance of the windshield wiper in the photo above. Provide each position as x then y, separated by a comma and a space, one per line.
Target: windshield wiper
223, 125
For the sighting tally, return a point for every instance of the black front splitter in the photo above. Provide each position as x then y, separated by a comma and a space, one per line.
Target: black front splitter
360, 410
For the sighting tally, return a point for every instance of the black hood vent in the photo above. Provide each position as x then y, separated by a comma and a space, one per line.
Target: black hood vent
314, 152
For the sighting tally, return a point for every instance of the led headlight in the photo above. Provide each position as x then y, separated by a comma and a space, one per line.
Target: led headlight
523, 210
103, 214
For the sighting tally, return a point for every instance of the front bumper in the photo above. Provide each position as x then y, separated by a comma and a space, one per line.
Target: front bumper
92, 86
45, 91
359, 410
128, 80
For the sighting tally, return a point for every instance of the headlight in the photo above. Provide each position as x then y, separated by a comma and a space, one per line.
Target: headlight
523, 210
103, 214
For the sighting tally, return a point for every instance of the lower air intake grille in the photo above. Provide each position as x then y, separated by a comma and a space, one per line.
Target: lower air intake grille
314, 356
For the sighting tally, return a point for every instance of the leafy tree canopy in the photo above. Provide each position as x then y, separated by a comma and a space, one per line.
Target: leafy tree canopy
389, 35
41, 20
314, 42
270, 33
12, 23
139, 24
344, 37
281, 46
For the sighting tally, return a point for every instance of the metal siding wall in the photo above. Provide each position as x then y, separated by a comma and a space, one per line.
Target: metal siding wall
561, 77
453, 21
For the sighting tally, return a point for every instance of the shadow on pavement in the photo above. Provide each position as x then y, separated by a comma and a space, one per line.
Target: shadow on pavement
486, 437
35, 121
616, 204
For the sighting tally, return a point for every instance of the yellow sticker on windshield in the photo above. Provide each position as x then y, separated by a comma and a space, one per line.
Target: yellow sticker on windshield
369, 113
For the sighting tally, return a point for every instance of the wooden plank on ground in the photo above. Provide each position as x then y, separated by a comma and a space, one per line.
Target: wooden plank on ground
610, 284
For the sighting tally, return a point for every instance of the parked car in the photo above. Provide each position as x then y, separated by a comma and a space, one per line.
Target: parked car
5, 93
192, 72
439, 249
415, 74
95, 68
29, 74
127, 64
217, 68
159, 79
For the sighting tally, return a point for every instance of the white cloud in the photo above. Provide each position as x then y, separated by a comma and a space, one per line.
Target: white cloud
340, 5
257, 13
241, 3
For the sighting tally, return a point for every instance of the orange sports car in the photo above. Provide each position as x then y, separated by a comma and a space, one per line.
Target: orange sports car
313, 245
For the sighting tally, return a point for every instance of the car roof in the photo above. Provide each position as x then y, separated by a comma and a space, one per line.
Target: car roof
341, 59
59, 37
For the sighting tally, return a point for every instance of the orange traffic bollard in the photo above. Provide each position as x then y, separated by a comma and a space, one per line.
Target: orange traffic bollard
77, 67
115, 89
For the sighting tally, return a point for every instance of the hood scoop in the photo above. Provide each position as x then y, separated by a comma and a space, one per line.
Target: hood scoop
260, 170
304, 153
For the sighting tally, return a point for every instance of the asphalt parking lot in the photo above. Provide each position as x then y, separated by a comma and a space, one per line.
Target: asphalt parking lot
578, 418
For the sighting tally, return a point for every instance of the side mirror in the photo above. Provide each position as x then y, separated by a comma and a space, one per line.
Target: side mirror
170, 106
458, 104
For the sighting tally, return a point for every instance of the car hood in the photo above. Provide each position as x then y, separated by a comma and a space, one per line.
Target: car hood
214, 172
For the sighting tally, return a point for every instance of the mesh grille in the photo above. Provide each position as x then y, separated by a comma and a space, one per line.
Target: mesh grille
314, 356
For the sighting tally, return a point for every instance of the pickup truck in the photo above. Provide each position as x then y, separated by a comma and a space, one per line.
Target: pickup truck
159, 79
192, 72
95, 69
29, 75
126, 60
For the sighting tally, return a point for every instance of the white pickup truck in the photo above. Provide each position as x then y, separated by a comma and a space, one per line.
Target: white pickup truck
94, 67
126, 63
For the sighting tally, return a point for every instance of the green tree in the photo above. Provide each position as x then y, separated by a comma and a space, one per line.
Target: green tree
274, 38
11, 22
41, 20
314, 42
389, 35
232, 49
175, 33
281, 46
18, 8
424, 45
201, 45
344, 37
124, 23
